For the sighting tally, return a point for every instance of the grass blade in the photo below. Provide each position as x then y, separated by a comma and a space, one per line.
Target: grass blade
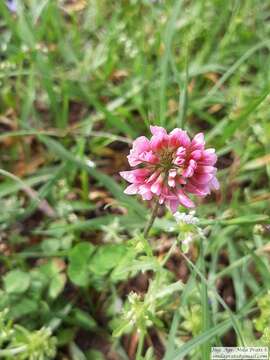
169, 32
59, 150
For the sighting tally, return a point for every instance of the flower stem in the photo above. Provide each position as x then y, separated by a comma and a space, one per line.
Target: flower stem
140, 346
13, 351
151, 220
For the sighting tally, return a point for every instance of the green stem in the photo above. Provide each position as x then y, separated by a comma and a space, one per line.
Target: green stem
145, 234
205, 305
169, 253
140, 346
151, 220
36, 254
14, 351
233, 318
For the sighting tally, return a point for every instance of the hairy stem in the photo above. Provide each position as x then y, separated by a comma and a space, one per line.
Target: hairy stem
13, 351
151, 220
140, 346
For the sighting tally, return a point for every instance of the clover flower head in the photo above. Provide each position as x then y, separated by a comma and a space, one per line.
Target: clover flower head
189, 218
171, 166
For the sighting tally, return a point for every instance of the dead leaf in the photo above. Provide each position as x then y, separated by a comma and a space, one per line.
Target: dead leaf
215, 108
173, 107
74, 6
261, 197
119, 75
257, 163
191, 86
97, 194
22, 168
8, 123
212, 76
59, 263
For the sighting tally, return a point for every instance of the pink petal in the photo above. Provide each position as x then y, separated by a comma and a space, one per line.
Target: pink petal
189, 171
133, 159
205, 169
171, 177
135, 176
131, 189
173, 204
140, 145
196, 154
145, 192
180, 156
153, 177
214, 184
197, 190
208, 157
158, 130
180, 180
181, 151
157, 186
179, 161
198, 141
148, 156
172, 173
159, 141
179, 137
202, 178
147, 196
185, 200
161, 200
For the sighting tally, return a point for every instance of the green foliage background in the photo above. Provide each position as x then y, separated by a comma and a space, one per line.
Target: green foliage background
79, 81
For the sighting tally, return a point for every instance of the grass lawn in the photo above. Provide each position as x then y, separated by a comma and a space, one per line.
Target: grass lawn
79, 81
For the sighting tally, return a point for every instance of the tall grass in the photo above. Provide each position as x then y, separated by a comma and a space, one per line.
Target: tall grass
76, 81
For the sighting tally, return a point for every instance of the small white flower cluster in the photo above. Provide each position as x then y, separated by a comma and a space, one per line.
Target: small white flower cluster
7, 65
38, 47
188, 228
131, 314
133, 297
90, 163
186, 218
187, 239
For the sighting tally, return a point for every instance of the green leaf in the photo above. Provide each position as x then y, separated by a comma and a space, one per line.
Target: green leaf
83, 319
75, 352
121, 272
123, 326
94, 355
58, 230
164, 66
79, 257
10, 186
257, 163
16, 281
66, 336
199, 340
24, 307
172, 335
241, 220
50, 245
60, 151
57, 285
106, 258
143, 264
168, 290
